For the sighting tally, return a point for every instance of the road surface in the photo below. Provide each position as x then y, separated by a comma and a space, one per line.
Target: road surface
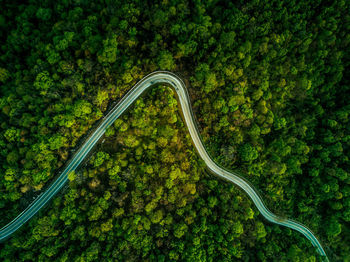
168, 78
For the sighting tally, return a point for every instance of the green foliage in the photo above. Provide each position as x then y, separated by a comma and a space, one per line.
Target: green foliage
166, 61
109, 51
248, 152
43, 82
269, 85
4, 75
44, 14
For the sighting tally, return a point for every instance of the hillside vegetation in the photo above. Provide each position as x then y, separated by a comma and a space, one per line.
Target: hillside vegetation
269, 84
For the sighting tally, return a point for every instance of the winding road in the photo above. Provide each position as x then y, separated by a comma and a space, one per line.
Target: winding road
168, 78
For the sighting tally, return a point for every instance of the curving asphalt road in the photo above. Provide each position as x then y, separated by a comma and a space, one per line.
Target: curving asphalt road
158, 77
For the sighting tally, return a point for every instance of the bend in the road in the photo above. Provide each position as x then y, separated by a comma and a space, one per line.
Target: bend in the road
159, 77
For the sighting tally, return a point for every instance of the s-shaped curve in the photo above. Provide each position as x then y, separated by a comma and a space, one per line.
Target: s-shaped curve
158, 77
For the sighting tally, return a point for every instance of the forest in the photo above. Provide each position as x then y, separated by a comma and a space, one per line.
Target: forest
269, 85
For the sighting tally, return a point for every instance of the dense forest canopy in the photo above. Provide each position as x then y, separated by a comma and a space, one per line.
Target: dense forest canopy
269, 84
